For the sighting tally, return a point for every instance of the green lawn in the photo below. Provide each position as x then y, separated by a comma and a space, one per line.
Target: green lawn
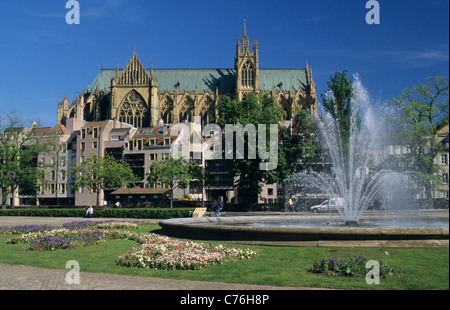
421, 269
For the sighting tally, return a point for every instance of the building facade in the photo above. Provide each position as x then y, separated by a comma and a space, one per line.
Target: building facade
140, 96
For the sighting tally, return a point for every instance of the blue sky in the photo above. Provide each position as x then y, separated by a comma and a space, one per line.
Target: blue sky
43, 58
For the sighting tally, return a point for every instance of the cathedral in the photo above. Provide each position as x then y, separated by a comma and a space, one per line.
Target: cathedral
143, 97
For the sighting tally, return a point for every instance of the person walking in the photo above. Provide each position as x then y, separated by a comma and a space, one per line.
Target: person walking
291, 205
218, 208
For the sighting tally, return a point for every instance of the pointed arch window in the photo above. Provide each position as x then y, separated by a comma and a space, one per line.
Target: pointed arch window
247, 75
134, 110
167, 111
186, 110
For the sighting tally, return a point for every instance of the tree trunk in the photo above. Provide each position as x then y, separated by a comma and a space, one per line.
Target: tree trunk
3, 198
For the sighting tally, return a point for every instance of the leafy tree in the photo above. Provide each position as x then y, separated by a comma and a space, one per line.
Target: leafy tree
301, 142
19, 146
100, 173
252, 110
176, 173
338, 102
419, 113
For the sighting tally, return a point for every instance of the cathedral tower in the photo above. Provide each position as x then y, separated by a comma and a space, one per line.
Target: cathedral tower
246, 64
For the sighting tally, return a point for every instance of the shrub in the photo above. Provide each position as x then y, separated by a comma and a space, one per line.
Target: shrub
111, 213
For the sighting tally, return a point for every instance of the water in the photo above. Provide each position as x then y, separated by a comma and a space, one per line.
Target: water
352, 177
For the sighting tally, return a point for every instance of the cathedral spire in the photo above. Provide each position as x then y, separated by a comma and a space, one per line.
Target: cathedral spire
245, 46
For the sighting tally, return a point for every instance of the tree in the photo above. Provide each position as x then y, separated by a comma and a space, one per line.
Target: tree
419, 113
338, 102
254, 110
300, 143
19, 147
176, 173
100, 173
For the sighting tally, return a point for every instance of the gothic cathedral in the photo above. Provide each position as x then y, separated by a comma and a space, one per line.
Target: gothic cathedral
145, 97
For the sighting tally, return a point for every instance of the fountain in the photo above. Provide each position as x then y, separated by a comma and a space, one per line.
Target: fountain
350, 179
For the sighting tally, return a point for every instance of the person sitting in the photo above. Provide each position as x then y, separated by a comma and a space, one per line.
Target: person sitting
89, 212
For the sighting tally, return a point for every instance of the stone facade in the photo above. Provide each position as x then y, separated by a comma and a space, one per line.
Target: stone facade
141, 97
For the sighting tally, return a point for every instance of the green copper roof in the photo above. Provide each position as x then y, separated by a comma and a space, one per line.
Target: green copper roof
207, 79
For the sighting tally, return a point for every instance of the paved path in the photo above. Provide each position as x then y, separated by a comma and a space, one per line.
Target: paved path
32, 278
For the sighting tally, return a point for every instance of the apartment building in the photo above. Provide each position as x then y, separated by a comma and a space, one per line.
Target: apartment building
99, 138
442, 160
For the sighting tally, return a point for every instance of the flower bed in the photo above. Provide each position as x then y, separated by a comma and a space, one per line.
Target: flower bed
160, 252
110, 224
66, 238
22, 229
154, 251
352, 267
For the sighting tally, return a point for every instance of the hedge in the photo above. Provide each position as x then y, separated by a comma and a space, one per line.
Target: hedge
111, 213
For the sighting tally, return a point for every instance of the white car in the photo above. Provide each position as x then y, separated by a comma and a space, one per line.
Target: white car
329, 205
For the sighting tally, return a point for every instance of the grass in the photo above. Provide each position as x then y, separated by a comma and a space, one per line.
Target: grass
421, 269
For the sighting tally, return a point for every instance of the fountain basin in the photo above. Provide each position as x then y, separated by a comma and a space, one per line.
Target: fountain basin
303, 231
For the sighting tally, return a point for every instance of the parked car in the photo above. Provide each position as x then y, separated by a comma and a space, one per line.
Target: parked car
329, 205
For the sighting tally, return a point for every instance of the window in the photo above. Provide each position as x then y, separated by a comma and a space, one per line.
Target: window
270, 191
94, 144
83, 146
152, 156
83, 133
443, 159
444, 178
247, 78
134, 110
95, 132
